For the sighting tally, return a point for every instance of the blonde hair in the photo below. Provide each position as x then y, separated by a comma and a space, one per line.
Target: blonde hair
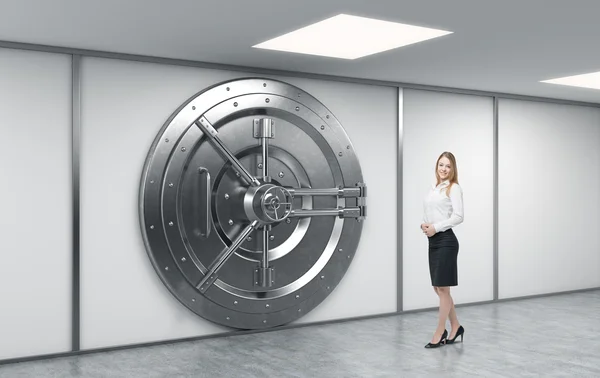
453, 176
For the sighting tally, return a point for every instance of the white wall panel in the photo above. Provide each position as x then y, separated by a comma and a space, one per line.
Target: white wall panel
35, 202
124, 104
462, 124
548, 198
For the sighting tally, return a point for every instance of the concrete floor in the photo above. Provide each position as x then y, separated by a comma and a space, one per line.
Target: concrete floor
556, 336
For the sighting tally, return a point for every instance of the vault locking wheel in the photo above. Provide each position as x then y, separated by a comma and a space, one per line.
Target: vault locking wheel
251, 203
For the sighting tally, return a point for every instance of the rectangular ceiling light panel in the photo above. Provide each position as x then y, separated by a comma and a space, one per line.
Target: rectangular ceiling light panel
350, 37
590, 80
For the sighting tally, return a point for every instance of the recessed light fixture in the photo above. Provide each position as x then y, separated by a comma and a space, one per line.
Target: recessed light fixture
590, 80
350, 37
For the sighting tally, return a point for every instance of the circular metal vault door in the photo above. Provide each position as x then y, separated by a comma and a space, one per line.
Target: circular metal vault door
251, 203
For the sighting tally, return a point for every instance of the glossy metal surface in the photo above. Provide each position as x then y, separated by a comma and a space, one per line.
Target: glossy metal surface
266, 256
496, 199
76, 143
399, 201
213, 136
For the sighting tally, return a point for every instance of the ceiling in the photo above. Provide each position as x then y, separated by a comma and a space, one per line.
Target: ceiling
503, 46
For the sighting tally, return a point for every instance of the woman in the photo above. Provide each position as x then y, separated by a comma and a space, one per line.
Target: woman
443, 210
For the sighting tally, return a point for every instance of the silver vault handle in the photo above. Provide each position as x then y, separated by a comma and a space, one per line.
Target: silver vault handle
204, 195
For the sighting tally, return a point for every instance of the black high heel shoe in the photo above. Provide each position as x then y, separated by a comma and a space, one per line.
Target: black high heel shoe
460, 332
440, 343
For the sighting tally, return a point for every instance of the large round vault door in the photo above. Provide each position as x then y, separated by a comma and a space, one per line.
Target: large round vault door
251, 203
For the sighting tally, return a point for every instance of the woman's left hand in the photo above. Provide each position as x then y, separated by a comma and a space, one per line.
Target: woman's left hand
430, 230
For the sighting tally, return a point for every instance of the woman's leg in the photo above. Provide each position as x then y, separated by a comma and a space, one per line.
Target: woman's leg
445, 307
454, 324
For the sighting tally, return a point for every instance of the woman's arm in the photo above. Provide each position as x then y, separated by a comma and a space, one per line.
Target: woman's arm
424, 217
457, 217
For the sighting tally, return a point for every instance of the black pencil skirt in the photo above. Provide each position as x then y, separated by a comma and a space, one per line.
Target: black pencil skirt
443, 256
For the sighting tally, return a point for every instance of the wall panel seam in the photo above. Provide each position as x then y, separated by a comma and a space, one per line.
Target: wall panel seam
495, 199
76, 257
399, 201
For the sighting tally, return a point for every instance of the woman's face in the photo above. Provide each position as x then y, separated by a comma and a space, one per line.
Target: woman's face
444, 168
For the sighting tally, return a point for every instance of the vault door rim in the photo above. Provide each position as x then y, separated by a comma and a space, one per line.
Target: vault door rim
178, 123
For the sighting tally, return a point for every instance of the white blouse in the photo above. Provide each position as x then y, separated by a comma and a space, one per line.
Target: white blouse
442, 211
